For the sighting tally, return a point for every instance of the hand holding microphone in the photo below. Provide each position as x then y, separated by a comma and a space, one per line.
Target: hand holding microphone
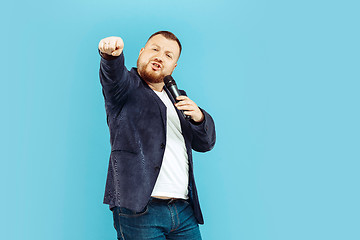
188, 107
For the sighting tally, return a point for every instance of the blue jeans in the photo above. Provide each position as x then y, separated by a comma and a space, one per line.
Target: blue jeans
161, 219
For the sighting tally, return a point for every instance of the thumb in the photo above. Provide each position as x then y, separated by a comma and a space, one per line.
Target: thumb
117, 52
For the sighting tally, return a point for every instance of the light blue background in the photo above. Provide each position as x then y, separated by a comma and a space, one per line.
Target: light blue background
280, 78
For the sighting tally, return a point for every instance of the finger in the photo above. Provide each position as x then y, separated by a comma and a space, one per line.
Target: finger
189, 113
112, 45
105, 46
185, 102
119, 44
101, 46
186, 107
182, 97
108, 46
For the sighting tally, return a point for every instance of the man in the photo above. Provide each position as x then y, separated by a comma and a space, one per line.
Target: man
150, 185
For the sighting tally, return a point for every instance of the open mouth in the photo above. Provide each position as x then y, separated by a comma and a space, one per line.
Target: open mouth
155, 66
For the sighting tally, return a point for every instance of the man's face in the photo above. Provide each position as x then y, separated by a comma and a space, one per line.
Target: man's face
158, 58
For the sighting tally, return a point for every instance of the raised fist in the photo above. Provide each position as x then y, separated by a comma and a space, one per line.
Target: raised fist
112, 46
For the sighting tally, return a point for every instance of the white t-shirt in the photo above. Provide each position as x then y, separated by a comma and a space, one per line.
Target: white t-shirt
174, 172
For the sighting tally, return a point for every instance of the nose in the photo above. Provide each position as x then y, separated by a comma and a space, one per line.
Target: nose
158, 59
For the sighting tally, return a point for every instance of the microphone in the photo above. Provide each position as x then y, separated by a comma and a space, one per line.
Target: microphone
174, 91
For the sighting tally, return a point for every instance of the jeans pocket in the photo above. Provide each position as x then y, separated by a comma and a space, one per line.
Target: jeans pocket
130, 213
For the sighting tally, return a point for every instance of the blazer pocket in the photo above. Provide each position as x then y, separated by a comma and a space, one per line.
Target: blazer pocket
123, 151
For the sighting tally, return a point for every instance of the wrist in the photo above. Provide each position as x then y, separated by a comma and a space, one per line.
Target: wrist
200, 118
107, 56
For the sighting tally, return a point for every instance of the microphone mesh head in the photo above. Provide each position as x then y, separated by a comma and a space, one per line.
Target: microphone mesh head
169, 81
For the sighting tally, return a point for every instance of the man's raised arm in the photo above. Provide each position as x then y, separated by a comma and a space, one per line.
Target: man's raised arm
114, 76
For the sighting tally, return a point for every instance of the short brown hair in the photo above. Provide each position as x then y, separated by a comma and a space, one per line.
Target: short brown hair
168, 35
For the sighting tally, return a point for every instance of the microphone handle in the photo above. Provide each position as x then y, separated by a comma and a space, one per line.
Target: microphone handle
175, 93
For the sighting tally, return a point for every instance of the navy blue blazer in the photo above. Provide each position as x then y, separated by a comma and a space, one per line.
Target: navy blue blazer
136, 117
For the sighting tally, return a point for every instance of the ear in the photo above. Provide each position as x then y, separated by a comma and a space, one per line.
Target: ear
174, 68
141, 50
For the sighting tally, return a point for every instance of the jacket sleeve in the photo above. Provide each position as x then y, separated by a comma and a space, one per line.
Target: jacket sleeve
115, 80
204, 135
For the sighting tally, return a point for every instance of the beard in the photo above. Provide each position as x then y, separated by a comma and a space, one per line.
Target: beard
149, 76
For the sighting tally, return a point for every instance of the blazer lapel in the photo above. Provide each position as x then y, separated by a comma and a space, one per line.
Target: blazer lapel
160, 104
